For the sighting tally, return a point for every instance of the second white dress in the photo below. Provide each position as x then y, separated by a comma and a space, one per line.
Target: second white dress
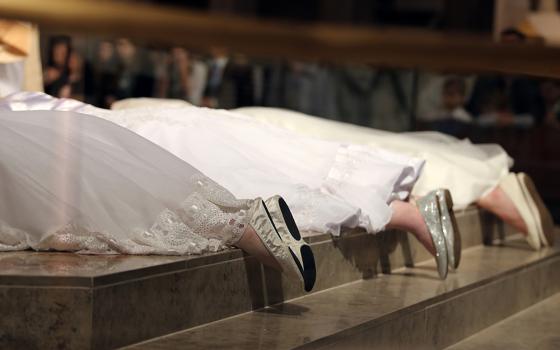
469, 171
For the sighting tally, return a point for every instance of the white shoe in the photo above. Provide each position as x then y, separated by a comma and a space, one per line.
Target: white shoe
274, 226
286, 226
449, 227
538, 208
430, 211
512, 187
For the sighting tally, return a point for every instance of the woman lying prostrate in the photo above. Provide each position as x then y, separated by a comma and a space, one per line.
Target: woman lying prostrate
329, 185
73, 182
472, 173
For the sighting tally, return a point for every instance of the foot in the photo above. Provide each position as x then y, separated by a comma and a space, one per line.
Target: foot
252, 245
498, 203
407, 217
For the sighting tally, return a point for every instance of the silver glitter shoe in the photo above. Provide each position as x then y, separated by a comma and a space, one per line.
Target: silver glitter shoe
429, 209
278, 231
450, 228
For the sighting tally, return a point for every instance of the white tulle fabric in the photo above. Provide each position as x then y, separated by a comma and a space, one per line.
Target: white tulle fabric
74, 182
469, 171
328, 185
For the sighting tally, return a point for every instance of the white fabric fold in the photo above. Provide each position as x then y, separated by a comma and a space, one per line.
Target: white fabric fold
469, 171
254, 159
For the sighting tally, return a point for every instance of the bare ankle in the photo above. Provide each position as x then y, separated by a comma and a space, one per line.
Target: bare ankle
500, 204
252, 245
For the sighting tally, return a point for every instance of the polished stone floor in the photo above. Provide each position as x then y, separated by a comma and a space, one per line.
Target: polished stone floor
391, 311
536, 328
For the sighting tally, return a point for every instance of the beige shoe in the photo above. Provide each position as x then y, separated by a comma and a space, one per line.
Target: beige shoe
513, 189
538, 208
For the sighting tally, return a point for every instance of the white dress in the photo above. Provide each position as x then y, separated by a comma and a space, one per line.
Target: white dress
469, 171
328, 185
74, 182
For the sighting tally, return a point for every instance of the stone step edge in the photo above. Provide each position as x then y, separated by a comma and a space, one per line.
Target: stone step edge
448, 295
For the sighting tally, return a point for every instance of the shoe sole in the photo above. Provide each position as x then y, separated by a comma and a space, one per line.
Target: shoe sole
289, 219
538, 208
308, 270
455, 227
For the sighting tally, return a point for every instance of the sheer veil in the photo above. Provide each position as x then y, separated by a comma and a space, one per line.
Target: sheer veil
86, 184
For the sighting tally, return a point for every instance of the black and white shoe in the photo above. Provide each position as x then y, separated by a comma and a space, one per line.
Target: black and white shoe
276, 227
289, 233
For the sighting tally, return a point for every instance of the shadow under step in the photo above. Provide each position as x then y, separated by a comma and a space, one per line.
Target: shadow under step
410, 308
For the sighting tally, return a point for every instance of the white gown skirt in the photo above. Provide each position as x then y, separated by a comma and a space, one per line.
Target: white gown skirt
74, 182
469, 171
328, 185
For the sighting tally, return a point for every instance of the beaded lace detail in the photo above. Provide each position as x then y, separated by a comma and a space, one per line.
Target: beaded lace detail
208, 220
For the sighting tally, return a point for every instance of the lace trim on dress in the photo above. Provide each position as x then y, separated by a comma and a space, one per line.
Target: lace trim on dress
12, 239
208, 220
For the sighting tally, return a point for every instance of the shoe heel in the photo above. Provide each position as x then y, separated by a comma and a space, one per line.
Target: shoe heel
457, 249
308, 270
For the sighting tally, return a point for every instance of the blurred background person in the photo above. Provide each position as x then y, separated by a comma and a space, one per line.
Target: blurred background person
442, 104
57, 71
506, 100
101, 91
216, 66
550, 92
181, 75
136, 75
77, 73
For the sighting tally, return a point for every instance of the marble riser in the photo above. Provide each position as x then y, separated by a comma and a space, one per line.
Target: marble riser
127, 301
533, 328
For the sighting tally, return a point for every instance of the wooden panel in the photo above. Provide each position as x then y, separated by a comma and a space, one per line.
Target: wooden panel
270, 39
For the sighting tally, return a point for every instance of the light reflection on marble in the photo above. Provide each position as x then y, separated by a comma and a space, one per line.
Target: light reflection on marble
534, 328
23, 266
28, 267
367, 304
68, 264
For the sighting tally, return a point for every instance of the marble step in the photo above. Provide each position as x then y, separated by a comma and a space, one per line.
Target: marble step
408, 309
537, 327
63, 300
